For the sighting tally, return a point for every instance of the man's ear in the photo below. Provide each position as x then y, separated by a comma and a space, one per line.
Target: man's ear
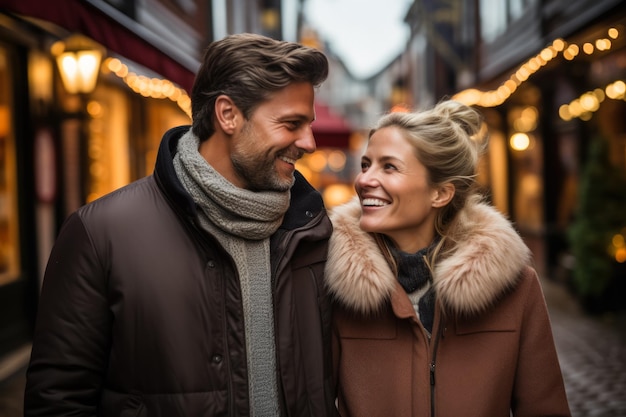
443, 195
227, 115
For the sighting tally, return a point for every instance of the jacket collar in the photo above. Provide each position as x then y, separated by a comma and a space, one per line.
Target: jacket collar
485, 264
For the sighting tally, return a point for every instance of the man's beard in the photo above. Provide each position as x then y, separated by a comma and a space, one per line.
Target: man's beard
258, 170
260, 175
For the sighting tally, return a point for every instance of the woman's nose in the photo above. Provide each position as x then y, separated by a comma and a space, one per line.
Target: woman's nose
366, 179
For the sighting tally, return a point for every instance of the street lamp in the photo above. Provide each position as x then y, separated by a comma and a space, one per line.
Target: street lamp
78, 59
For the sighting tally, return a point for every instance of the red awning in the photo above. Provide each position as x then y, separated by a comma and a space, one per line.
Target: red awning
81, 17
330, 130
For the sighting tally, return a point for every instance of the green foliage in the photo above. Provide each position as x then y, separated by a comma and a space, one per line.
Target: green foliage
601, 214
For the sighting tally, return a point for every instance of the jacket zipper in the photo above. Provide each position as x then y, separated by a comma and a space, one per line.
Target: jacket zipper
287, 237
432, 388
433, 364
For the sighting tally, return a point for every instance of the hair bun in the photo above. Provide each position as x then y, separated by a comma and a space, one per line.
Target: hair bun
468, 118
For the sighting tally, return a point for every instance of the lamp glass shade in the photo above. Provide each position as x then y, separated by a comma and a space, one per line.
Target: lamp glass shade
79, 70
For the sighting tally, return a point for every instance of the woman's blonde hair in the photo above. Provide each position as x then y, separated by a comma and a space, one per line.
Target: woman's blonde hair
447, 141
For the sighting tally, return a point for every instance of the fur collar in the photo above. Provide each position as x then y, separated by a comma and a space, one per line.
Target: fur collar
486, 263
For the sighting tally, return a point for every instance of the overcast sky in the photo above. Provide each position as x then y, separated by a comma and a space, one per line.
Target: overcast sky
366, 34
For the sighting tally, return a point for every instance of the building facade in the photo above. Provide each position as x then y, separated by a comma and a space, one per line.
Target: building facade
549, 78
64, 144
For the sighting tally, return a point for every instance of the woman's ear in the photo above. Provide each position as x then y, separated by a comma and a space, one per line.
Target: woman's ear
226, 114
443, 195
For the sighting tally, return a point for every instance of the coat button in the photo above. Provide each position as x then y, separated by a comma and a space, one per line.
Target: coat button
217, 358
309, 213
211, 264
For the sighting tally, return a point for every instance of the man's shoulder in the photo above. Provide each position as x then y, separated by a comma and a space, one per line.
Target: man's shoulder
135, 197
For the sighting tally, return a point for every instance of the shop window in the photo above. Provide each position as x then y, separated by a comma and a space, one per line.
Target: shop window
161, 115
527, 171
114, 156
107, 150
9, 237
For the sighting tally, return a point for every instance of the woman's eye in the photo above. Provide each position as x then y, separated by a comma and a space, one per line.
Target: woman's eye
390, 166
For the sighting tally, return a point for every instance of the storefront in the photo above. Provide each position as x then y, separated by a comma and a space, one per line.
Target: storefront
62, 146
16, 214
543, 115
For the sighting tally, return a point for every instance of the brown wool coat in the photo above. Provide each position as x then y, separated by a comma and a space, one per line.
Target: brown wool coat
491, 351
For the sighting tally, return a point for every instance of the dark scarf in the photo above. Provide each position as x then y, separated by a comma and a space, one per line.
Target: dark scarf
415, 277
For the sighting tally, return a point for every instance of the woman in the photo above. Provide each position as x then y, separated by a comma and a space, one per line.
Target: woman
437, 309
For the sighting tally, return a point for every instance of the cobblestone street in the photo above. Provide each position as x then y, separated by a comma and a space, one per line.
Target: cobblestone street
592, 353
593, 361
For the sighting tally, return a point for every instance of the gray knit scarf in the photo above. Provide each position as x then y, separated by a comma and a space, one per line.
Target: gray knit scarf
243, 222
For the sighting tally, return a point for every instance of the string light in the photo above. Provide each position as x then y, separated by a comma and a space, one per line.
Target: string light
150, 87
497, 97
588, 103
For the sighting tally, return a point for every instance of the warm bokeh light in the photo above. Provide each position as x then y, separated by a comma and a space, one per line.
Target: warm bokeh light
527, 120
620, 255
588, 103
399, 108
559, 45
337, 194
617, 248
336, 160
317, 161
150, 87
519, 141
94, 109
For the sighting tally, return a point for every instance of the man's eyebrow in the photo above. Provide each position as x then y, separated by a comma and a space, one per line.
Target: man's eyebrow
296, 116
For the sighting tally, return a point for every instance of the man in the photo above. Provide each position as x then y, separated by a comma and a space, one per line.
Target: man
198, 291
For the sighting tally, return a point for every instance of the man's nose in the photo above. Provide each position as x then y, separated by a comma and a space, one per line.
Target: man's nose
306, 141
